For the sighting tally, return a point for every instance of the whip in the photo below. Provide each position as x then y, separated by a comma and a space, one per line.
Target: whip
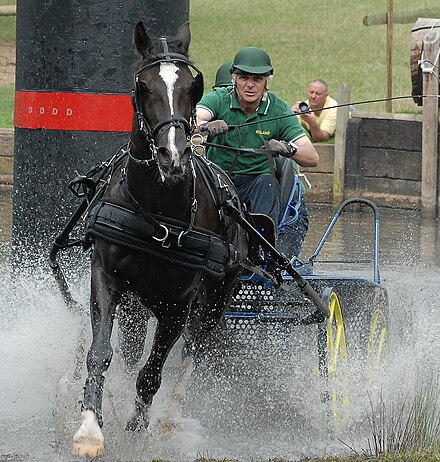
308, 110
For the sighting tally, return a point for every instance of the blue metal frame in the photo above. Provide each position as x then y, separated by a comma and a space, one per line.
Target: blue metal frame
278, 315
344, 204
292, 205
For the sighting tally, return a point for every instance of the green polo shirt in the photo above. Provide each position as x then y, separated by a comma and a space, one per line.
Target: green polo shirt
223, 104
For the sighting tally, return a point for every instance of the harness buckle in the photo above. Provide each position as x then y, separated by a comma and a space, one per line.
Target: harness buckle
179, 238
163, 239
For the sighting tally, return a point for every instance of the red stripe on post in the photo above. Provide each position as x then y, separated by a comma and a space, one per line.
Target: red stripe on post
73, 111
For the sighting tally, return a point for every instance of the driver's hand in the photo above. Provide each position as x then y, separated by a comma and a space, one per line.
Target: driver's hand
280, 147
215, 127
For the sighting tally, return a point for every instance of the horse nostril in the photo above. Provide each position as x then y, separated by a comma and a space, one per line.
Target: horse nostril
164, 156
186, 155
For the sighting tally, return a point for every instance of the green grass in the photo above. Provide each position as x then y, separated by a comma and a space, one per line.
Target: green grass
7, 27
7, 23
427, 456
7, 33
308, 40
405, 425
305, 39
7, 106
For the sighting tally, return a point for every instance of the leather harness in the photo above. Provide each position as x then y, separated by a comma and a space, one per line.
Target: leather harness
130, 225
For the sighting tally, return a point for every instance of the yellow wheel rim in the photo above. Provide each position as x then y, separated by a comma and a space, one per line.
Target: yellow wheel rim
376, 343
337, 362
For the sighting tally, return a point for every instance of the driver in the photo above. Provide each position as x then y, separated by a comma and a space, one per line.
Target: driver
249, 100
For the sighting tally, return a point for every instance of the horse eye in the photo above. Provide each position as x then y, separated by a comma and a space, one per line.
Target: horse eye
143, 87
192, 87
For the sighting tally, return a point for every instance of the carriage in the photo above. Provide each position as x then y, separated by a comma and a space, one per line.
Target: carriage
159, 196
354, 332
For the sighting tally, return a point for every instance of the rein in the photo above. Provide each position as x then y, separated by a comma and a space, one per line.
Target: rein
295, 114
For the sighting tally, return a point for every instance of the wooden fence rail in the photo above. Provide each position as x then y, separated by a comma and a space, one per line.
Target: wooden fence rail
8, 10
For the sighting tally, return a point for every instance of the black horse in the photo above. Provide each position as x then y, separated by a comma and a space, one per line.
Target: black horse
162, 243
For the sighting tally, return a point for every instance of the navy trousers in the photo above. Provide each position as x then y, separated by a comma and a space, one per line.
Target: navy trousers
259, 194
262, 196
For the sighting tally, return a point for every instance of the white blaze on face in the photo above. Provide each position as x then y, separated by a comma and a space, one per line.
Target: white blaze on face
168, 72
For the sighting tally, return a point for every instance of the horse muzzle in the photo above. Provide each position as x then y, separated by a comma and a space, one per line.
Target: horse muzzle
172, 162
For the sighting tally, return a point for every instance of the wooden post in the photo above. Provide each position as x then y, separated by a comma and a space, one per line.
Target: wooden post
430, 123
387, 19
390, 20
340, 140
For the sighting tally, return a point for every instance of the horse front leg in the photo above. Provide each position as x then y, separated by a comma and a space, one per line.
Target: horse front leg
89, 439
168, 330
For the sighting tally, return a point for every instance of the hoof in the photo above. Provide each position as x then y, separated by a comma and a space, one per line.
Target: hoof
88, 440
135, 423
140, 419
167, 426
88, 448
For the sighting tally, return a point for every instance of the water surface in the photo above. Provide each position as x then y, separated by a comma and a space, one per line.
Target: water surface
261, 408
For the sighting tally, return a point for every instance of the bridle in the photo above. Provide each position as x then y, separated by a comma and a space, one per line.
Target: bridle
177, 121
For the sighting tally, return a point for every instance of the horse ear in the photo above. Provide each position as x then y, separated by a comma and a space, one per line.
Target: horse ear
184, 37
141, 39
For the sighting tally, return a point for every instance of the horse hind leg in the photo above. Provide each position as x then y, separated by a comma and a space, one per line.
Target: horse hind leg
133, 322
206, 322
168, 331
206, 313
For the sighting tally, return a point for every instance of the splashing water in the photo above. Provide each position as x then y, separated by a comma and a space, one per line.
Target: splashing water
260, 404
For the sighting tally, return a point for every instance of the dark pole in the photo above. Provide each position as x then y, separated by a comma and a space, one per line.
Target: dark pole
73, 109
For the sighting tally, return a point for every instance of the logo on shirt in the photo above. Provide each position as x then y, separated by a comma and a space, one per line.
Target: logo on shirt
261, 132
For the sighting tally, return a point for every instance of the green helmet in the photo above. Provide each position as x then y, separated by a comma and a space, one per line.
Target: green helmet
252, 60
223, 76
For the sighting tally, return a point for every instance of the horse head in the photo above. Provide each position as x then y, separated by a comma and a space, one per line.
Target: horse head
165, 95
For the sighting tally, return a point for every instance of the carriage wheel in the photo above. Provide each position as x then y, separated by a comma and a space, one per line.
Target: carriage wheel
376, 343
333, 361
366, 323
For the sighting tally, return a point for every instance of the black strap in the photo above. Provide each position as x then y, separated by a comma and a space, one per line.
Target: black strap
139, 209
118, 223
